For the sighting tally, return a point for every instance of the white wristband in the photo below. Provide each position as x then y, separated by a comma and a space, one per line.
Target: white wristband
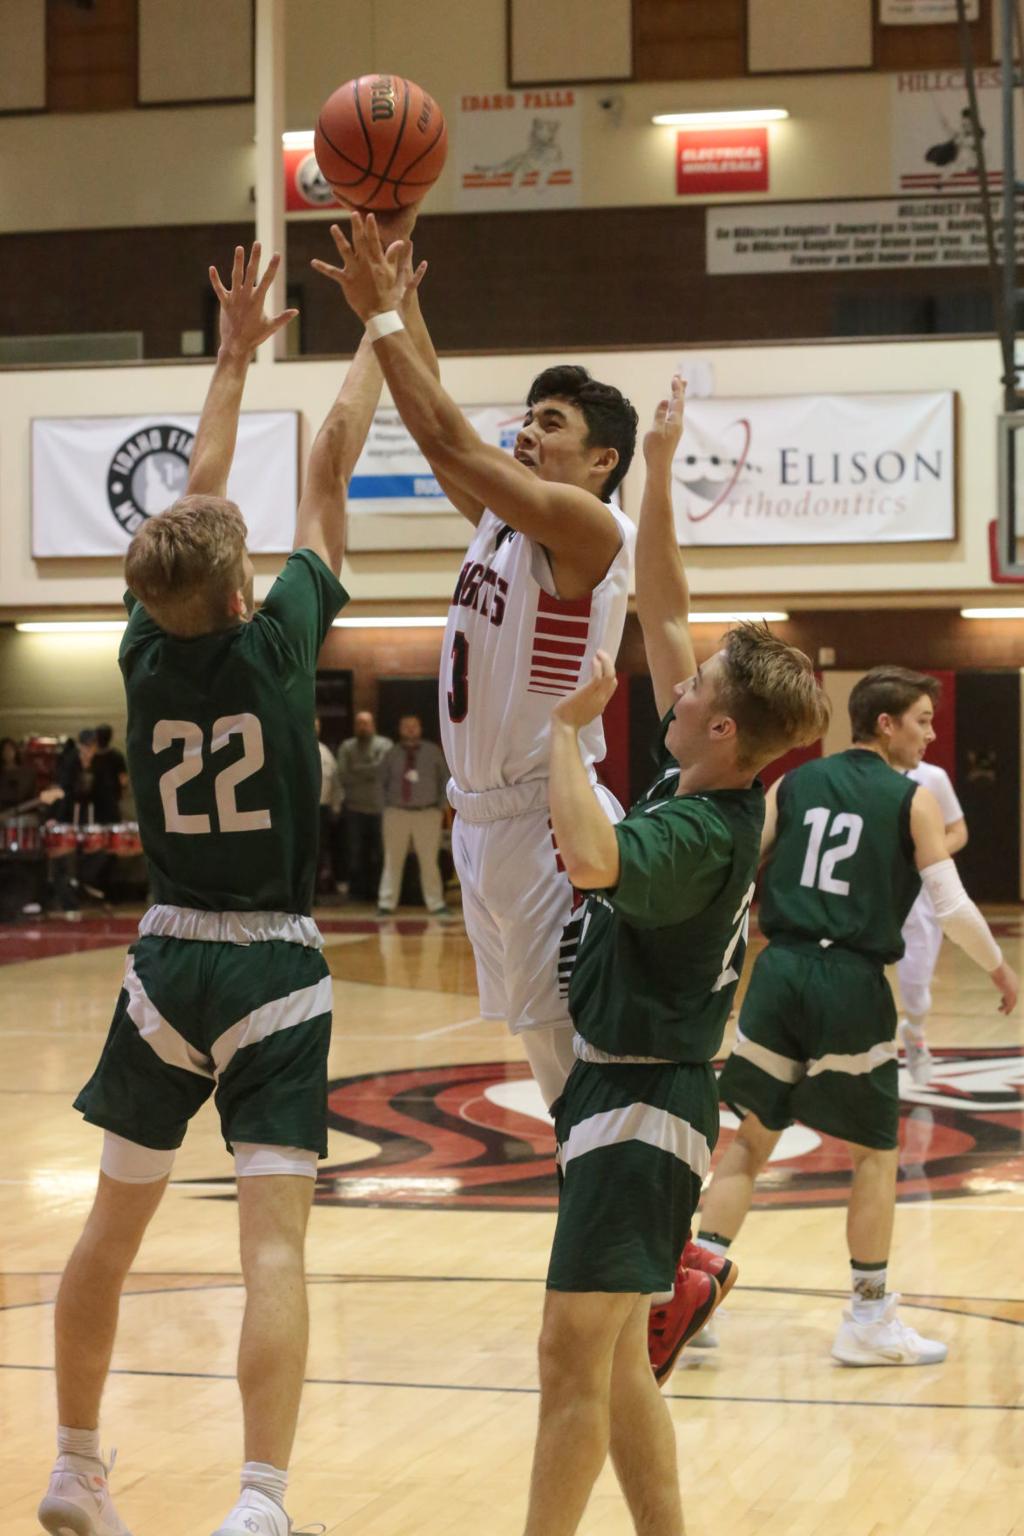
385, 324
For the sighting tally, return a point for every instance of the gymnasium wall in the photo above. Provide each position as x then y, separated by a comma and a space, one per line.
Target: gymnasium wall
195, 164
380, 571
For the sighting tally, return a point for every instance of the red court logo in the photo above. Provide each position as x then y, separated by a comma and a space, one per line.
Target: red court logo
476, 1137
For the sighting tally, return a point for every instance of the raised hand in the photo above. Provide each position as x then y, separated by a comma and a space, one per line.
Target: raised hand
243, 325
590, 699
371, 278
661, 442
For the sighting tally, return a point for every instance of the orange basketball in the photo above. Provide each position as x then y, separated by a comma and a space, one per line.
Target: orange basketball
380, 141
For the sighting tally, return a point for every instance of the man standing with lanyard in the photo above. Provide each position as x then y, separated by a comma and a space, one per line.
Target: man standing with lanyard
414, 776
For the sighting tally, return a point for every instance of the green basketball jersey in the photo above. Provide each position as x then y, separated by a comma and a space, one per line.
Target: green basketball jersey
660, 955
842, 867
222, 750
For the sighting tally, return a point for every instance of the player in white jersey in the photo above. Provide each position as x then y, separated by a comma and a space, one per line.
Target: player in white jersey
922, 933
543, 588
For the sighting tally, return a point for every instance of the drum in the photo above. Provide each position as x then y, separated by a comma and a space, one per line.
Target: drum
15, 836
60, 839
125, 841
93, 838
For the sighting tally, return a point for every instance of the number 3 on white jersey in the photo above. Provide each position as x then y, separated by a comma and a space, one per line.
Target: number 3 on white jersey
229, 817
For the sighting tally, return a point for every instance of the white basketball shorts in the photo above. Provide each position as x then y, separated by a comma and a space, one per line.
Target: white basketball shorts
517, 903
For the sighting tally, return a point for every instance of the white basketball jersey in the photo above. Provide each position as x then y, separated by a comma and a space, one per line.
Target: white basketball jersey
512, 648
932, 777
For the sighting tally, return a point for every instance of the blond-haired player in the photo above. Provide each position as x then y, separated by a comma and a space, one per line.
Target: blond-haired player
662, 945
226, 991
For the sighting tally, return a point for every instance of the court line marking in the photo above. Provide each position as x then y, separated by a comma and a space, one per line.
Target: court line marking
233, 1282
443, 1386
448, 1029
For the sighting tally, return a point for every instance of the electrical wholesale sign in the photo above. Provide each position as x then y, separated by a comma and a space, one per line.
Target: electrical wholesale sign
721, 160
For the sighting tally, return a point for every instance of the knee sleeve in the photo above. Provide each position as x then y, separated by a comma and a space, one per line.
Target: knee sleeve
130, 1163
254, 1160
551, 1058
917, 997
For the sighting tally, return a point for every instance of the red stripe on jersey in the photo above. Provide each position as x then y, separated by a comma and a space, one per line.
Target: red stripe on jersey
558, 647
565, 605
556, 669
565, 629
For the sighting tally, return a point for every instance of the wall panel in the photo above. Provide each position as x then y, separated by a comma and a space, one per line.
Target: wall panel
786, 36
574, 40
187, 55
23, 56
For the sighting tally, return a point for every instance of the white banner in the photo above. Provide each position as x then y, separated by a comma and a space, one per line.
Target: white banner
95, 479
932, 143
393, 476
922, 13
518, 149
858, 235
816, 469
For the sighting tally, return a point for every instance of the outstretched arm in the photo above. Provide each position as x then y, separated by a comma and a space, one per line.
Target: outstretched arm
321, 515
577, 529
243, 327
662, 590
585, 837
959, 917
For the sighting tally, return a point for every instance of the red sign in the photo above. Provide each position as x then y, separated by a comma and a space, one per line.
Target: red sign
721, 160
304, 187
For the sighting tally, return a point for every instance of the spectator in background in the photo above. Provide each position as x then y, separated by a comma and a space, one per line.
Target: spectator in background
77, 778
17, 780
359, 761
414, 776
110, 778
330, 804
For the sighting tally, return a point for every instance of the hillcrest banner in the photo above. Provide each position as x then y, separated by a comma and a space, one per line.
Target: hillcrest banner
817, 469
96, 479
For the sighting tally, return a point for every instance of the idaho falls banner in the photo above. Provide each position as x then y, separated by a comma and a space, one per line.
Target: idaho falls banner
817, 469
95, 479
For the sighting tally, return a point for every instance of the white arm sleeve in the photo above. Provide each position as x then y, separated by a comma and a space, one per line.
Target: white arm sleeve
960, 919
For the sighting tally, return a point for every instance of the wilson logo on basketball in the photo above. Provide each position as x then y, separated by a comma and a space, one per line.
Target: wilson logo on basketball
477, 1136
148, 472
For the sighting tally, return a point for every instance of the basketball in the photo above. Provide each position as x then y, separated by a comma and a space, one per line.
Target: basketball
380, 142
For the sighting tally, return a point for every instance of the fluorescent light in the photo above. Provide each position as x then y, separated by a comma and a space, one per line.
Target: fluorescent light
738, 618
301, 138
405, 621
74, 627
992, 613
734, 119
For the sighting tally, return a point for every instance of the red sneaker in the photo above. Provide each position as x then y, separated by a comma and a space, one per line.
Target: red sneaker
702, 1281
723, 1269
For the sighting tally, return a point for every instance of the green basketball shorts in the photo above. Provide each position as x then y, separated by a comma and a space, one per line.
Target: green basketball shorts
817, 1043
634, 1147
248, 1023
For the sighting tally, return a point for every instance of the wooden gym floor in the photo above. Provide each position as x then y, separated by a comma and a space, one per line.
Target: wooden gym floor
427, 1257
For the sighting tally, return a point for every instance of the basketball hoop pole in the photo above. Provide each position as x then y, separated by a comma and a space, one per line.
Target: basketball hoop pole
270, 227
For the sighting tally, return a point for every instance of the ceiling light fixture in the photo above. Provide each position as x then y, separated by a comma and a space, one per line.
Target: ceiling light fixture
739, 618
992, 613
73, 627
404, 621
737, 118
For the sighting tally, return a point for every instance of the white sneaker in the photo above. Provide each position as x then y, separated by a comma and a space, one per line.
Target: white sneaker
887, 1341
920, 1061
78, 1501
256, 1515
705, 1338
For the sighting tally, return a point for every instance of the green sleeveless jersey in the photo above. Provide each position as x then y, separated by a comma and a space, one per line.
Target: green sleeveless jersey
842, 867
222, 750
660, 955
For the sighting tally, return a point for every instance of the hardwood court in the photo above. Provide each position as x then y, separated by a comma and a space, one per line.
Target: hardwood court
427, 1258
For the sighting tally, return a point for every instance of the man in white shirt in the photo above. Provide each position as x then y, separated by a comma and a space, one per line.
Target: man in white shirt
922, 934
